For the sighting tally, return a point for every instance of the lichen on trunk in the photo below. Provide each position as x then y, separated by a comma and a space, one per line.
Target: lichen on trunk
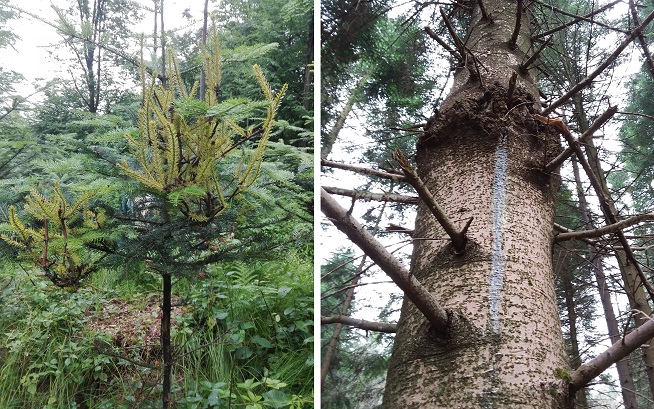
482, 156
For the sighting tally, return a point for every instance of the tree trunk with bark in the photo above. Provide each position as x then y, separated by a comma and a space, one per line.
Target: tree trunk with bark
482, 157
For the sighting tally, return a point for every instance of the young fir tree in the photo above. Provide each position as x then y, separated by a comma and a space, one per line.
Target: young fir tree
181, 153
66, 241
194, 160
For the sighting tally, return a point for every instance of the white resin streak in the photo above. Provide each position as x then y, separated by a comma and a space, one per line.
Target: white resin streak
497, 257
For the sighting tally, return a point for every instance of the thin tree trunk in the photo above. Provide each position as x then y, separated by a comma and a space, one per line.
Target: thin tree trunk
329, 141
566, 275
163, 45
203, 75
632, 283
624, 373
155, 34
326, 361
165, 338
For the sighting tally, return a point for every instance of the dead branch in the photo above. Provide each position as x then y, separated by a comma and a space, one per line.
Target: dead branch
609, 60
360, 323
577, 19
567, 152
525, 66
641, 38
629, 343
516, 30
443, 44
457, 236
564, 229
611, 228
367, 196
396, 228
457, 41
363, 171
484, 14
411, 287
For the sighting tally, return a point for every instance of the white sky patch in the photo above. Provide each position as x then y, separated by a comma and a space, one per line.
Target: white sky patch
33, 54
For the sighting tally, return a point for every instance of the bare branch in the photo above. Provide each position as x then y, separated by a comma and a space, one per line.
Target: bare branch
457, 41
359, 323
525, 66
611, 228
443, 44
609, 60
516, 30
412, 288
396, 228
567, 152
564, 229
641, 38
577, 19
591, 369
380, 197
458, 237
364, 171
484, 14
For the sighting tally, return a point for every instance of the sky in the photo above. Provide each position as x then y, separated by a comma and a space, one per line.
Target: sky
31, 55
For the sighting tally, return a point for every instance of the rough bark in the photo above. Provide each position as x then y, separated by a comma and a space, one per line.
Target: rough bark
481, 156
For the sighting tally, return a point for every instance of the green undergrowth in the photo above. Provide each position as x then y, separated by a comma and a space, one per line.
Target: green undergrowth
242, 338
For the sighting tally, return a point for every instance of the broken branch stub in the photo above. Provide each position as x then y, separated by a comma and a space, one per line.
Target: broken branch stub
457, 236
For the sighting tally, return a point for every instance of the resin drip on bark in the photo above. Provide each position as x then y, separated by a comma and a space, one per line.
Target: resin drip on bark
482, 156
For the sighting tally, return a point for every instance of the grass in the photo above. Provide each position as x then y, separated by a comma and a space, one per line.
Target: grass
242, 336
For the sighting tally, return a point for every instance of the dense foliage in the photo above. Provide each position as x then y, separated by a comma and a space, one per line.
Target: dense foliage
213, 195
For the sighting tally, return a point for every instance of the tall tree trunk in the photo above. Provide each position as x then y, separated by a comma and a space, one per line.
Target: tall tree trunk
481, 157
308, 74
165, 339
594, 258
203, 75
566, 273
354, 97
633, 286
